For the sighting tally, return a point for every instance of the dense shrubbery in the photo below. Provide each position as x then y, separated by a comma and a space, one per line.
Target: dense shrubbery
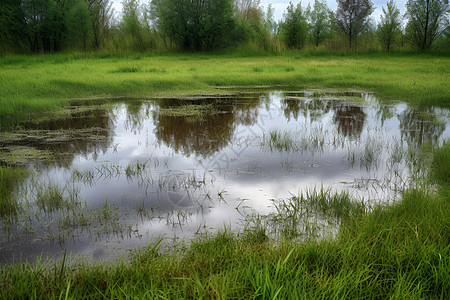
34, 26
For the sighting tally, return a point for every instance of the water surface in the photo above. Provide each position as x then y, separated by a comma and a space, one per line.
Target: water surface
139, 170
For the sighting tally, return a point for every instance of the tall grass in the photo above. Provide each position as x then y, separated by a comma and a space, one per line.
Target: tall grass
398, 251
37, 83
440, 166
9, 177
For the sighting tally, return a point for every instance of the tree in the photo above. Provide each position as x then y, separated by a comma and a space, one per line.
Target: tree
78, 24
253, 24
352, 17
101, 16
52, 27
12, 25
245, 8
195, 25
294, 27
131, 24
389, 27
269, 22
320, 21
427, 21
34, 12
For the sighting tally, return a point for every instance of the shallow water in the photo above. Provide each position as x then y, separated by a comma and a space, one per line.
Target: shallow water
171, 168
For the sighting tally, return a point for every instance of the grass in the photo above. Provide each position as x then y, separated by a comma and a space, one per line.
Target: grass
397, 251
400, 251
192, 113
9, 177
440, 165
292, 141
312, 213
37, 83
279, 140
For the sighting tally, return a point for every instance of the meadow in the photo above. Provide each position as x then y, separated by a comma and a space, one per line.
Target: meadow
45, 82
395, 251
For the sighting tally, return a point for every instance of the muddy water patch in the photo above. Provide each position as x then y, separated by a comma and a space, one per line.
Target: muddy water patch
174, 168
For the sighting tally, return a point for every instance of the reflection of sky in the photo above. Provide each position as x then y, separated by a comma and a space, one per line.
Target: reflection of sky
280, 6
247, 174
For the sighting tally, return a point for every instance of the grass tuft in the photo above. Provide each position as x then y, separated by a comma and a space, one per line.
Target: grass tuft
440, 169
9, 177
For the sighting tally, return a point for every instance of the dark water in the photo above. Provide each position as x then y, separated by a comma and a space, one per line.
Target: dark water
170, 168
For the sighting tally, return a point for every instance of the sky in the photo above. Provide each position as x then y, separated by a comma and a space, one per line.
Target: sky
280, 6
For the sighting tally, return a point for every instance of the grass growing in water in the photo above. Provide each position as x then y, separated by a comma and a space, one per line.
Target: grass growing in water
303, 216
398, 251
278, 140
9, 177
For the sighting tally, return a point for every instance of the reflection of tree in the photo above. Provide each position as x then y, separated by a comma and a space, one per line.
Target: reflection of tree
137, 112
211, 132
349, 119
419, 127
315, 108
385, 112
203, 137
291, 108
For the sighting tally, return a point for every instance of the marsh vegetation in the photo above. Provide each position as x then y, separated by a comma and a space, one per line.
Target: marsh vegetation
108, 178
109, 182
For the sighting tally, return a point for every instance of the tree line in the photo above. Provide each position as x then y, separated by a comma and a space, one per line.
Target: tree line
35, 26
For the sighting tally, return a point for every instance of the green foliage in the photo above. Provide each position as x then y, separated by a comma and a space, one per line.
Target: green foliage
389, 27
352, 18
12, 26
294, 28
427, 21
54, 25
320, 20
195, 25
101, 15
9, 178
78, 23
440, 170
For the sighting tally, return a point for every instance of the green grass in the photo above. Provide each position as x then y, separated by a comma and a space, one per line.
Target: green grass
397, 251
9, 177
440, 165
45, 82
277, 140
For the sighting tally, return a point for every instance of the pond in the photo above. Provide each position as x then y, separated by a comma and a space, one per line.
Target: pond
115, 175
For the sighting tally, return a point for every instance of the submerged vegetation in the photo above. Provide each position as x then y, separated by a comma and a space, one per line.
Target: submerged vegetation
400, 250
